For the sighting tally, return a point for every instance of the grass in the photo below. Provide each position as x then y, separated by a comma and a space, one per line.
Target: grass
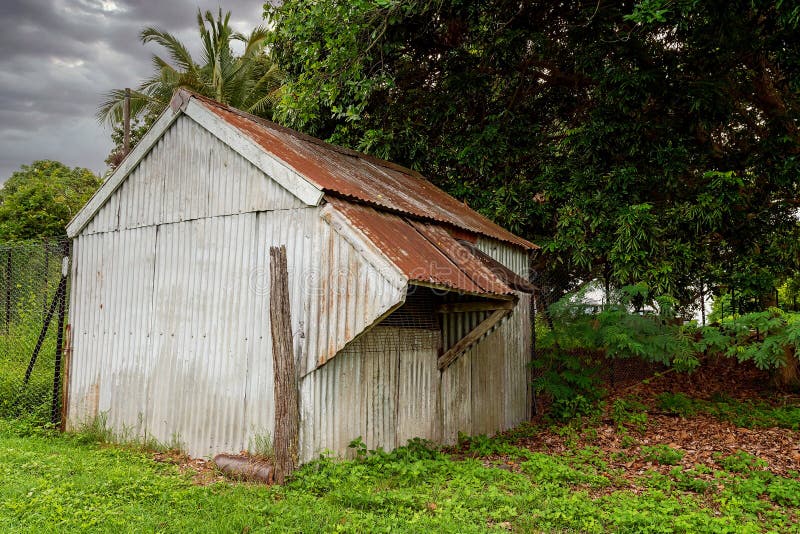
58, 483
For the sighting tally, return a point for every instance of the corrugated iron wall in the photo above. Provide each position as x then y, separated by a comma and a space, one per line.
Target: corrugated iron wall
385, 387
170, 319
189, 174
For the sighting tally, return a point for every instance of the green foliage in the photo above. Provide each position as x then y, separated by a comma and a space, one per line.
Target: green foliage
579, 338
740, 462
650, 141
661, 454
676, 403
62, 483
41, 198
250, 81
628, 411
618, 331
572, 384
768, 338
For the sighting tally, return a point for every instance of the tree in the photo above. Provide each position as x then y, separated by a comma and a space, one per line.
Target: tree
653, 141
41, 198
249, 81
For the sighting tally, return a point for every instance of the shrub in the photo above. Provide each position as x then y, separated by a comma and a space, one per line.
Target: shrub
676, 403
740, 462
661, 454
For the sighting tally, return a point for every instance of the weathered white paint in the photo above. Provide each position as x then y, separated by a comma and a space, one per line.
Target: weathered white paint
189, 174
129, 163
279, 170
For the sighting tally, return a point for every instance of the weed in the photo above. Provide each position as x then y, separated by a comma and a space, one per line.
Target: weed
95, 430
687, 480
661, 454
630, 412
261, 446
677, 403
627, 441
740, 462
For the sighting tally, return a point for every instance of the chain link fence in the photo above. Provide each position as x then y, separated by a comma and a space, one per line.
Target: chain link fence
612, 373
34, 287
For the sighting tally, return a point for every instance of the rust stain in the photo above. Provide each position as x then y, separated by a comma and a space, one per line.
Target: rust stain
346, 173
422, 251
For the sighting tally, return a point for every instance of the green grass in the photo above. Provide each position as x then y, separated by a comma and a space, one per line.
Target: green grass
55, 483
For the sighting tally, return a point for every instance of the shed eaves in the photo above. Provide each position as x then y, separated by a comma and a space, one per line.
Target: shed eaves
424, 252
342, 172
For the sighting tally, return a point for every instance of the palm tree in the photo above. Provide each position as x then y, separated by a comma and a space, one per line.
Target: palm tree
249, 81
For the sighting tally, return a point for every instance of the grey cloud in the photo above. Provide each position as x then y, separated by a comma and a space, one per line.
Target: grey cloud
58, 57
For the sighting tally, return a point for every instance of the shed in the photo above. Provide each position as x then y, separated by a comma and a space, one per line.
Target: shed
410, 312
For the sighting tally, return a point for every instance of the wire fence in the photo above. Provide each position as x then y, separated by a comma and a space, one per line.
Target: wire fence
34, 287
613, 373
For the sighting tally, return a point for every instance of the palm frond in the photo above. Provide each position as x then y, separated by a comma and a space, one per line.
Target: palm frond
110, 111
177, 50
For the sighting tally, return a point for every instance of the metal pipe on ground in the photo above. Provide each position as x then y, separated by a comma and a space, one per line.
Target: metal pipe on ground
244, 468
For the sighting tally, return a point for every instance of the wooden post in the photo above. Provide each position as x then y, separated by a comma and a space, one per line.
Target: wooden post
126, 122
287, 411
703, 302
55, 413
65, 380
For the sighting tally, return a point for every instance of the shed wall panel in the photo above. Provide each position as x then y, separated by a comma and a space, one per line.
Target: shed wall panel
514, 258
418, 409
172, 324
189, 174
383, 387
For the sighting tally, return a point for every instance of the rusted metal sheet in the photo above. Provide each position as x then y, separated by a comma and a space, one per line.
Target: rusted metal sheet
423, 252
358, 176
187, 175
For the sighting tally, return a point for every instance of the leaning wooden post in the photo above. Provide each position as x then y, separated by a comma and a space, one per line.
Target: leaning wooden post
287, 412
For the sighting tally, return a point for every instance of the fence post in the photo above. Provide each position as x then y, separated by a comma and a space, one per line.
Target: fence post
286, 395
55, 412
46, 249
8, 291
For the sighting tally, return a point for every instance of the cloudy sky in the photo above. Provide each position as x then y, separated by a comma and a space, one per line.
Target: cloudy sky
58, 57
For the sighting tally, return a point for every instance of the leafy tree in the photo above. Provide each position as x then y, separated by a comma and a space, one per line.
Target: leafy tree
41, 198
651, 141
249, 81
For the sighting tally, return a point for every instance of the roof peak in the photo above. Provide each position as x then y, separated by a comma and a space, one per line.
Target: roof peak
353, 175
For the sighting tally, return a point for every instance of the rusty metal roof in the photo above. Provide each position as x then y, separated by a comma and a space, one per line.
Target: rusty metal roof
424, 252
346, 173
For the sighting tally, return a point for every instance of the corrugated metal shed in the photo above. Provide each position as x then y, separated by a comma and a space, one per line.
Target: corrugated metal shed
171, 284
